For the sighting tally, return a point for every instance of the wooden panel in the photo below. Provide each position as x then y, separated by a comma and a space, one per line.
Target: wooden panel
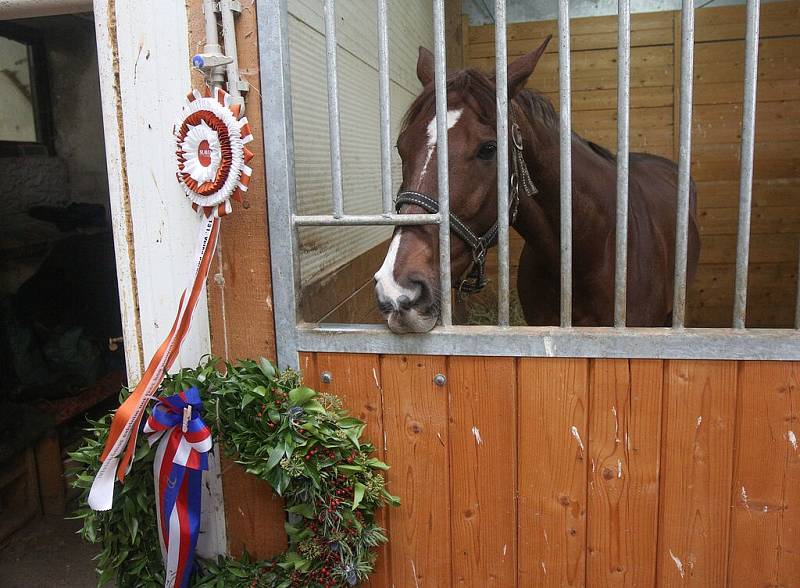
415, 419
356, 380
624, 445
483, 437
552, 416
696, 463
765, 538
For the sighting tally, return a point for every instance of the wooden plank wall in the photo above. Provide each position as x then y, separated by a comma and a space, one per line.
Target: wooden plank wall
575, 472
718, 75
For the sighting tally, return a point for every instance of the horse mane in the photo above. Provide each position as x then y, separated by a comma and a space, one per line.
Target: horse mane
478, 91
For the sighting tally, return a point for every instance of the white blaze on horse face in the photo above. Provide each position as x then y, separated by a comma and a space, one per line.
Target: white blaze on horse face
387, 287
452, 119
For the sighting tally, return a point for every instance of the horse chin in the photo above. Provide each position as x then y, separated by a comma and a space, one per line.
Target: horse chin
411, 321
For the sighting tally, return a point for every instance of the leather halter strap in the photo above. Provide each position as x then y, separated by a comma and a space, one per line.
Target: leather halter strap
474, 279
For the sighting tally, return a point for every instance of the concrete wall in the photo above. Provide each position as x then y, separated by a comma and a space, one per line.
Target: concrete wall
77, 170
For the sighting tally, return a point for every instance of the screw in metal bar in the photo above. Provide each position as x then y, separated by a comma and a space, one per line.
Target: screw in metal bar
440, 379
326, 377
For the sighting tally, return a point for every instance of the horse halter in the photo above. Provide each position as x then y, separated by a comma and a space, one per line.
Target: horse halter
474, 278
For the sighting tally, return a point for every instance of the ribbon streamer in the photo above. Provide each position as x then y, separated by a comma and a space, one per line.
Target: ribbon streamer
181, 457
211, 158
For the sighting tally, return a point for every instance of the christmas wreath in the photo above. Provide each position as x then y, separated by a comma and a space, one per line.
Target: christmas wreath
299, 441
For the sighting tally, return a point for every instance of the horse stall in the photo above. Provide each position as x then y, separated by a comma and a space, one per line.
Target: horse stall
559, 455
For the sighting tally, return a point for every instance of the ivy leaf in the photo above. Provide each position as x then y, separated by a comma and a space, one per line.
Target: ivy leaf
358, 494
299, 396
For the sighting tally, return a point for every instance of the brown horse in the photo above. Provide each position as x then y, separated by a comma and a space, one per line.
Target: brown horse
406, 284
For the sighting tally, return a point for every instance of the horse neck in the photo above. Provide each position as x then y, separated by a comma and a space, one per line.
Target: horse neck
539, 216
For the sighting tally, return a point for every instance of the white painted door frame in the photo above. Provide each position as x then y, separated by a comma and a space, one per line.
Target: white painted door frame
143, 57
143, 60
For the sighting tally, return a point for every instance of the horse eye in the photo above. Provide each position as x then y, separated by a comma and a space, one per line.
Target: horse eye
488, 150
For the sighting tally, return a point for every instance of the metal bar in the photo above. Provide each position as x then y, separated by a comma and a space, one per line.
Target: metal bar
623, 111
797, 308
746, 169
367, 220
333, 108
611, 342
234, 84
383, 90
440, 78
501, 80
684, 165
276, 105
565, 115
212, 46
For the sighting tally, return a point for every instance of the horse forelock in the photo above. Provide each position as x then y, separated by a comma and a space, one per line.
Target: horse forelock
468, 87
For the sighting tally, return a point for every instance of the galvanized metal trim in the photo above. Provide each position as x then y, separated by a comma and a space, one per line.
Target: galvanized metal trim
623, 126
501, 67
440, 80
797, 294
611, 342
276, 105
333, 108
365, 220
684, 165
385, 111
565, 115
746, 173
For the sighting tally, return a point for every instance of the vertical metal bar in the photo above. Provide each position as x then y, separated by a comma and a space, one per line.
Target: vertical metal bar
383, 90
797, 304
623, 108
684, 164
440, 78
276, 105
333, 108
566, 161
746, 169
501, 67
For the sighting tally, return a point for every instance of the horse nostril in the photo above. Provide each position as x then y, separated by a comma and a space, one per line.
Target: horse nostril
404, 302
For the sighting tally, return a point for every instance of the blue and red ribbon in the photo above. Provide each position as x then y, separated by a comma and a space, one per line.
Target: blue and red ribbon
181, 457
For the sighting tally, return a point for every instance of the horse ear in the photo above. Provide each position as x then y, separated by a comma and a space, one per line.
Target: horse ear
521, 68
425, 66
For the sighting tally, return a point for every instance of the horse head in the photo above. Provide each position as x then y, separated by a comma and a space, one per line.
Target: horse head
407, 284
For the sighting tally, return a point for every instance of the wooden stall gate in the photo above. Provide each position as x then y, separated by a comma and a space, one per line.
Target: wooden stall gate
575, 472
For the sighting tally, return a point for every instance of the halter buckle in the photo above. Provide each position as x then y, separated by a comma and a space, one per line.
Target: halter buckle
516, 136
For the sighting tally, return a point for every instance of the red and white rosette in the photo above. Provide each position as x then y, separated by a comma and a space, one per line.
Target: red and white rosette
212, 169
212, 152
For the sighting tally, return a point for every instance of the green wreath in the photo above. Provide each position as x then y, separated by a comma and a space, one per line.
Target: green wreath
299, 441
